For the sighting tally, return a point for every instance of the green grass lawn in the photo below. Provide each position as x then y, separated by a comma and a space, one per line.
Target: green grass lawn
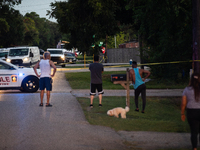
161, 114
81, 80
88, 59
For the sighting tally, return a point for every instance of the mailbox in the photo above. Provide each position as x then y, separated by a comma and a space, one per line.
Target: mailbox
118, 77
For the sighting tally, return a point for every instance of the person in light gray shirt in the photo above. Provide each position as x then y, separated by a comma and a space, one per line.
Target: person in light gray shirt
191, 102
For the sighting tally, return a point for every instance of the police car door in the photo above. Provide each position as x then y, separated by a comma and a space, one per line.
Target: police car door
8, 76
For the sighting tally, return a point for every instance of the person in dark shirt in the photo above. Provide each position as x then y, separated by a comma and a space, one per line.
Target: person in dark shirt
96, 70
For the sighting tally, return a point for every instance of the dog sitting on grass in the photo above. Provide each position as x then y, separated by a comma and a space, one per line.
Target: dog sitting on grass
119, 110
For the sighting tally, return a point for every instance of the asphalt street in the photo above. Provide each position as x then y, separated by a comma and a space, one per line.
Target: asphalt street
26, 126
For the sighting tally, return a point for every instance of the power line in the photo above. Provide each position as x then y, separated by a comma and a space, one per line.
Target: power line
32, 5
34, 10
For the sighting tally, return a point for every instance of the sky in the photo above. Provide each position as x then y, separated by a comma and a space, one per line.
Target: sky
38, 6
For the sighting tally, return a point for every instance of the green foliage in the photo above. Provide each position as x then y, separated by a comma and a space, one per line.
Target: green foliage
4, 25
120, 38
48, 33
166, 28
83, 19
31, 32
12, 31
11, 24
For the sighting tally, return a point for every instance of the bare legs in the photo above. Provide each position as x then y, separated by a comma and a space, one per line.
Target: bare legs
42, 96
92, 98
100, 98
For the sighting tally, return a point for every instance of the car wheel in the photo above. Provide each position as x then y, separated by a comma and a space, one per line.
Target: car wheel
30, 84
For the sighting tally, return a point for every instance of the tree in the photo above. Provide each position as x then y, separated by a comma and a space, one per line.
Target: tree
84, 19
31, 32
48, 32
120, 38
11, 24
14, 34
166, 28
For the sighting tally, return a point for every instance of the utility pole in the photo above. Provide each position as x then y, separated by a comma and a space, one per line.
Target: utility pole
115, 42
196, 33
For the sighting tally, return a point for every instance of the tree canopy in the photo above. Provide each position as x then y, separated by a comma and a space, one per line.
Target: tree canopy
16, 30
166, 29
86, 21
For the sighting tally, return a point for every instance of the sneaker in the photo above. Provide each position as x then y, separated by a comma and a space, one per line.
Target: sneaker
100, 105
137, 109
91, 106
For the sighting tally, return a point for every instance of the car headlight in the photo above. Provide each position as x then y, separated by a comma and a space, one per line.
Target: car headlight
8, 60
63, 57
25, 59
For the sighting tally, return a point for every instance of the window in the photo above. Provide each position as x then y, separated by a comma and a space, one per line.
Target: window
4, 66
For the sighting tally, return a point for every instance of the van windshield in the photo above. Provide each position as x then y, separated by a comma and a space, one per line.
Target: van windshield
55, 51
2, 54
18, 52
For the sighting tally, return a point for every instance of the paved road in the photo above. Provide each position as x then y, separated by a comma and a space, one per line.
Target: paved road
26, 126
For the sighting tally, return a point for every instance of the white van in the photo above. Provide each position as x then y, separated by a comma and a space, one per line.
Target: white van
23, 56
58, 55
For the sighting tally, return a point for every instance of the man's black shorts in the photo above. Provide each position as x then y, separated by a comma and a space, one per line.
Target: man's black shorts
93, 88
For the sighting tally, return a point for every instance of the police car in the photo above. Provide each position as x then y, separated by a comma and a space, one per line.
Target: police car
14, 77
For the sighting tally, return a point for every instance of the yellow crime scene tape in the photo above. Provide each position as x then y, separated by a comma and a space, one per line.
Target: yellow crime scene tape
160, 63
146, 64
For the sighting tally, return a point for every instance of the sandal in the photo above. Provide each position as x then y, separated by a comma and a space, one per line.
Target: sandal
48, 105
41, 104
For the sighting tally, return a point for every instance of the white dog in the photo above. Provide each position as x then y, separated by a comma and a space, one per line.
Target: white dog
119, 110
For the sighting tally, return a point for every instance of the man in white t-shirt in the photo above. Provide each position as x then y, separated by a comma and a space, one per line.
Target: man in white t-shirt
45, 76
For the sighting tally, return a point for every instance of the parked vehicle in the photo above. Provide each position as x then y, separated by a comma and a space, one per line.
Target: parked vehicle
41, 53
23, 56
3, 53
14, 77
58, 56
71, 57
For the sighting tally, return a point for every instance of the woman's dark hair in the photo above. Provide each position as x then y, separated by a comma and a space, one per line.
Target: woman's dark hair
194, 82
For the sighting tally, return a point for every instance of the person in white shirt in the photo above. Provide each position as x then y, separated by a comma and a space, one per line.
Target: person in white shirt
45, 82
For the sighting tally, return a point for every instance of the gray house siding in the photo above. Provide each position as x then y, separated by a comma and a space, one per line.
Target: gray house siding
123, 55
